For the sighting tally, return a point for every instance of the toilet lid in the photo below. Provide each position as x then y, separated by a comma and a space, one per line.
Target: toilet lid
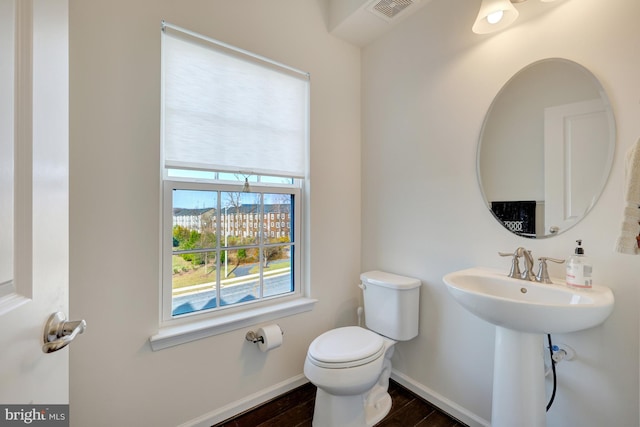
344, 347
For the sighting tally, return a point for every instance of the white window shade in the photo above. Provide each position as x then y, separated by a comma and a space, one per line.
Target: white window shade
228, 110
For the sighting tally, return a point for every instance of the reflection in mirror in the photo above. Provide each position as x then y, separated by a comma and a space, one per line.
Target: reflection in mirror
546, 148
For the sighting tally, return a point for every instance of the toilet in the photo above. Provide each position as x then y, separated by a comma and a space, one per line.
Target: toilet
350, 366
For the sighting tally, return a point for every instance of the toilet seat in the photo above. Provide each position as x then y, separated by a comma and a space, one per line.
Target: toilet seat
345, 348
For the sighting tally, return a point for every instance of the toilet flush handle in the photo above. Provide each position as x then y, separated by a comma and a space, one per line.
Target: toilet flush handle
362, 286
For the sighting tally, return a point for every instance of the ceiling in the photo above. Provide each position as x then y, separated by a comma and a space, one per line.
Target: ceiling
360, 22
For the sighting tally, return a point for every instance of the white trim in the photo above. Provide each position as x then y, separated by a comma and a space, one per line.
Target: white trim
20, 290
251, 401
180, 334
446, 405
239, 406
11, 302
213, 167
7, 144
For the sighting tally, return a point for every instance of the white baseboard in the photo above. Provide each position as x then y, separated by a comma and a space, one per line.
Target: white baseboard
239, 406
441, 402
251, 401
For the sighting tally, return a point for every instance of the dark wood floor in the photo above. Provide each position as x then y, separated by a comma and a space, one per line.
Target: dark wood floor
295, 409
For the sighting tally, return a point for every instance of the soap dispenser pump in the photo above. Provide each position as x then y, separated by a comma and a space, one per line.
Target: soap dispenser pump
579, 269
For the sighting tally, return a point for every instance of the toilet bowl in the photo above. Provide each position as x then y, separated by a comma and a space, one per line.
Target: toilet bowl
351, 368
351, 365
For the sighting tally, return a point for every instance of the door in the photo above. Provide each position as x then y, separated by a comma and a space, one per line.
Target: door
34, 176
573, 153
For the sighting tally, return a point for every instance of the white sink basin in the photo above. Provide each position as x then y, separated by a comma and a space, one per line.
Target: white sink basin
523, 311
529, 306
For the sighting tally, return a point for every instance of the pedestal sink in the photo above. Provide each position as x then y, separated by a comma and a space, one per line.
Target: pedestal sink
523, 313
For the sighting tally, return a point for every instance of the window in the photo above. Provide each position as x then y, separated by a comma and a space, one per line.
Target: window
214, 262
234, 155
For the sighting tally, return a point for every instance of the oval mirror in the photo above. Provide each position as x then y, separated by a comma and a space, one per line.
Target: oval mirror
546, 148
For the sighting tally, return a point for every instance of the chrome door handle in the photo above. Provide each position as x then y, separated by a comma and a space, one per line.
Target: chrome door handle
58, 332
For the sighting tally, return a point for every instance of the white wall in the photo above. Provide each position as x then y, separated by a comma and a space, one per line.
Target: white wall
114, 226
426, 89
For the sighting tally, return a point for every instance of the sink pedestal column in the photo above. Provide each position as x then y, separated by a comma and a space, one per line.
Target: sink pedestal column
518, 380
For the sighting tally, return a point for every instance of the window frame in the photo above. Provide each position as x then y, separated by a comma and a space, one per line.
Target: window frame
197, 325
167, 247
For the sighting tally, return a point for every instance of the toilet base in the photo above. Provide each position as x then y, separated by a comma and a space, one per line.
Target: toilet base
378, 405
360, 410
351, 411
344, 411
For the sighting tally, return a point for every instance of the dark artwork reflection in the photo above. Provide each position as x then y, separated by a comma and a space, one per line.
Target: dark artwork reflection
518, 217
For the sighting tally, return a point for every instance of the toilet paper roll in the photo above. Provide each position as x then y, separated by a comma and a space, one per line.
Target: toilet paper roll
271, 337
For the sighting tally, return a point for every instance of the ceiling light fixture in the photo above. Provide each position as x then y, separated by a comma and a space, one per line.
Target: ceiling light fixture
494, 15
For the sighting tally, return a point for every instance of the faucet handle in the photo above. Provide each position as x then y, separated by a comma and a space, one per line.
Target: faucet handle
515, 264
543, 273
514, 254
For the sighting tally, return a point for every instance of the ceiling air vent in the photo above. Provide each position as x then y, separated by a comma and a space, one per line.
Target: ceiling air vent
389, 9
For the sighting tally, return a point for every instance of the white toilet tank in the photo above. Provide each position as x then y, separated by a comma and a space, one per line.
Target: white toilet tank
391, 304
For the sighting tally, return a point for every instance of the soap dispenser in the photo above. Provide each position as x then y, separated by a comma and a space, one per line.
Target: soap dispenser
579, 269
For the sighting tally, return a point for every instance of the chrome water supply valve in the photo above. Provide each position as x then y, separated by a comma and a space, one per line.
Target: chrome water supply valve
562, 352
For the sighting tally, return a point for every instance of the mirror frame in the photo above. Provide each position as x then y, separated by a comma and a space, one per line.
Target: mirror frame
608, 162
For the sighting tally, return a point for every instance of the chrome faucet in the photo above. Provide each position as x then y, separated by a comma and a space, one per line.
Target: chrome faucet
527, 274
515, 272
543, 273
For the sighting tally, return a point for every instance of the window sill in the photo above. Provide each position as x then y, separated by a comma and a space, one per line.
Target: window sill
170, 336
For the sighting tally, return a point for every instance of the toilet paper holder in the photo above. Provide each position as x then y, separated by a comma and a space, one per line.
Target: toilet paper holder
253, 337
